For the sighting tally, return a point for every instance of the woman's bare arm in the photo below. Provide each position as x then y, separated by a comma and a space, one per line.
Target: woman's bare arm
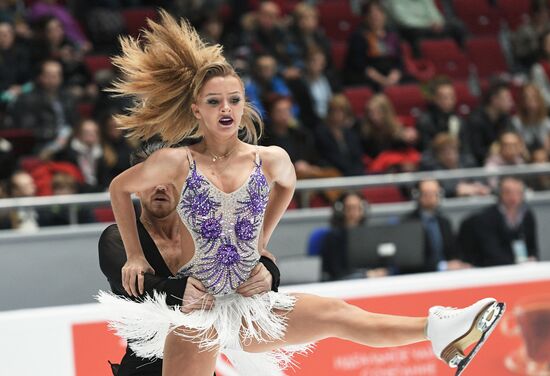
162, 167
280, 170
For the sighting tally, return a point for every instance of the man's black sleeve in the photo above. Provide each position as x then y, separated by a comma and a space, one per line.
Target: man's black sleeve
274, 270
112, 258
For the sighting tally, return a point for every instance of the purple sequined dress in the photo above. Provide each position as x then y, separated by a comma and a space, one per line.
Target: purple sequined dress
225, 228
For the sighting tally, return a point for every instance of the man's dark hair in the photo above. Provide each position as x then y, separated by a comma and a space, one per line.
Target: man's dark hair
145, 150
494, 89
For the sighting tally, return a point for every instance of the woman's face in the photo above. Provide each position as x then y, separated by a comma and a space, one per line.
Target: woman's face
220, 105
308, 22
376, 18
354, 210
531, 100
55, 32
375, 114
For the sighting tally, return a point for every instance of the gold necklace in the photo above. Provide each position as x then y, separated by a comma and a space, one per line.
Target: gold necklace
218, 157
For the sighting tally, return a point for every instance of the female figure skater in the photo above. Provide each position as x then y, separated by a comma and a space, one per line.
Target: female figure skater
232, 195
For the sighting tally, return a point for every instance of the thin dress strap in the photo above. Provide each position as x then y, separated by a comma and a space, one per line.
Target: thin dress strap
257, 159
189, 157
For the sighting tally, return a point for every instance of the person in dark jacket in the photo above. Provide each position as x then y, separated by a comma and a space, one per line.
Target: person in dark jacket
440, 250
486, 123
504, 233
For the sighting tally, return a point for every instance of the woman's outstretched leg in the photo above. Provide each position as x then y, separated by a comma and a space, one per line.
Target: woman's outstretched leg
314, 318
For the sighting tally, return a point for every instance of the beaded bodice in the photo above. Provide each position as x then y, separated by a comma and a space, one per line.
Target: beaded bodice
225, 228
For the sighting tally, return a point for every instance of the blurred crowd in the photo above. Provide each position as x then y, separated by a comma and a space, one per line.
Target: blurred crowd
346, 87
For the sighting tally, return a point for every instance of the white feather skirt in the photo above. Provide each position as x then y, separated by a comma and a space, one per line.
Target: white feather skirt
233, 320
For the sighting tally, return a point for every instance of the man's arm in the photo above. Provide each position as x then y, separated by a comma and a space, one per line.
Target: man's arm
112, 258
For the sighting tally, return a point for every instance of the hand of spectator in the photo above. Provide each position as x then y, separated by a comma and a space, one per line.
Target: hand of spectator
133, 275
195, 297
410, 135
438, 27
457, 265
291, 73
376, 273
260, 281
394, 77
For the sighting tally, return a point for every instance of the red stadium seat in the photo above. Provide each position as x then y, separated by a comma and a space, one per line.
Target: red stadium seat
486, 54
104, 214
22, 140
339, 51
358, 97
514, 12
85, 110
466, 102
447, 58
421, 69
136, 19
380, 195
95, 63
337, 19
406, 99
480, 18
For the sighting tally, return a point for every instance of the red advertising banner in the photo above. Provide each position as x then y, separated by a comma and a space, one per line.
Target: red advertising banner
519, 346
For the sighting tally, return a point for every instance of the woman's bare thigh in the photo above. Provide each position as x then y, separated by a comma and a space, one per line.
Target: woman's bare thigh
313, 318
183, 357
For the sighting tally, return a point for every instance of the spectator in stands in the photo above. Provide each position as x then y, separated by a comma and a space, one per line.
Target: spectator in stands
284, 131
60, 215
116, 147
525, 42
489, 120
48, 111
540, 182
532, 121
421, 19
51, 43
7, 159
14, 64
321, 86
21, 184
444, 154
337, 143
540, 72
441, 116
440, 248
509, 151
264, 83
504, 233
43, 8
374, 56
267, 36
306, 35
349, 211
13, 12
85, 151
381, 130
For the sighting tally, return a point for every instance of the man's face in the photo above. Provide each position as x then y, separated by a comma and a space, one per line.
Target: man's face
159, 201
23, 185
445, 98
429, 192
510, 147
511, 194
51, 77
503, 101
7, 36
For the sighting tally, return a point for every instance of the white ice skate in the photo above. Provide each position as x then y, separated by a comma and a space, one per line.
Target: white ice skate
453, 330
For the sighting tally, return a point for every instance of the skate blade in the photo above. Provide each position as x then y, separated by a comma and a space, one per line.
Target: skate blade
487, 323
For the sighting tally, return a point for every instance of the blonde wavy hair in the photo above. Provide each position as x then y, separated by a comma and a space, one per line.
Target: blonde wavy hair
165, 73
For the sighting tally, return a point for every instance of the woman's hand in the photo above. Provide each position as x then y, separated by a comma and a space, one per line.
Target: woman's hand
196, 297
260, 281
134, 271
